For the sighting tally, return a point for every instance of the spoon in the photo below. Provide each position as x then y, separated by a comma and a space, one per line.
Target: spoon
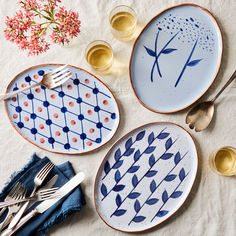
200, 116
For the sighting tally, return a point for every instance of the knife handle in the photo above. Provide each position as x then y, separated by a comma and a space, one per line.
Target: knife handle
23, 221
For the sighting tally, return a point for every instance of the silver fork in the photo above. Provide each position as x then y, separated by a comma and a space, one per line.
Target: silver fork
38, 180
18, 193
50, 80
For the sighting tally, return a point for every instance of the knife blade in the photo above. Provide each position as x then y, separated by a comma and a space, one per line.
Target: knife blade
45, 205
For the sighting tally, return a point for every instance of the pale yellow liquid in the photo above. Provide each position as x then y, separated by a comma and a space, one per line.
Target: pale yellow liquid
123, 21
225, 161
99, 56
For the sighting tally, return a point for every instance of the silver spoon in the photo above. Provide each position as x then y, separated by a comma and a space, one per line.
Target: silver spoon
200, 116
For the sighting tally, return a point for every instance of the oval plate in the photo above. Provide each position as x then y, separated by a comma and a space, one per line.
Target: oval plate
77, 117
145, 177
176, 58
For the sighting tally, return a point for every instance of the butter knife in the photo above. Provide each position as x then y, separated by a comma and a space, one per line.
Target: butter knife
45, 205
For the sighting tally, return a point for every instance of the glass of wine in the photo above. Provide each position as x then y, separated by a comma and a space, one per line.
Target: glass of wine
99, 55
123, 21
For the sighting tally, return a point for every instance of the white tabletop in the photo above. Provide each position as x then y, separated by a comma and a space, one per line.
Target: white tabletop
210, 209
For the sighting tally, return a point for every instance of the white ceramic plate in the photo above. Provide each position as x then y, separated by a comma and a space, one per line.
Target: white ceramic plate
176, 58
77, 117
145, 177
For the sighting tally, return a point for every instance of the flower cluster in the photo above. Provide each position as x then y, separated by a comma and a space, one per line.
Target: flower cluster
29, 27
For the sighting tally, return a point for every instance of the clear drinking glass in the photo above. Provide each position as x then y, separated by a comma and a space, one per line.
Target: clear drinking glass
99, 55
223, 161
123, 21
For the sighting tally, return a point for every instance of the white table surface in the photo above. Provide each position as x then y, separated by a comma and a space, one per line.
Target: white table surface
211, 207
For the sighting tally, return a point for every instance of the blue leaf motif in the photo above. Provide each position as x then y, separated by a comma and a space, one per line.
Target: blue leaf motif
176, 194
150, 52
170, 177
163, 135
138, 219
128, 143
140, 135
166, 156
151, 138
153, 186
168, 143
118, 188
118, 200
117, 176
137, 206
129, 152
107, 167
164, 196
151, 173
118, 164
194, 62
119, 212
152, 201
177, 158
117, 154
133, 195
137, 155
134, 180
161, 213
151, 160
182, 174
168, 50
149, 149
104, 190
133, 169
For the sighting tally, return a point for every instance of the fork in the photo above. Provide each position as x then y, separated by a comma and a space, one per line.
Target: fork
38, 180
50, 80
41, 195
16, 193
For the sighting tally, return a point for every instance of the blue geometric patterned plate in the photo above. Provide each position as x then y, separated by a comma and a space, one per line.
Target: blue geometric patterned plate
145, 177
77, 117
176, 58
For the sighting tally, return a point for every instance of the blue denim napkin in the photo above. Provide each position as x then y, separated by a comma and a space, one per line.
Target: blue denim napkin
40, 224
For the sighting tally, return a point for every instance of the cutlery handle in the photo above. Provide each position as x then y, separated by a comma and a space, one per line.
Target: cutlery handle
233, 76
13, 202
9, 95
23, 221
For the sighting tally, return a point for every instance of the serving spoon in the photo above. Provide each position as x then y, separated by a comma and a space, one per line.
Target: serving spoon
200, 116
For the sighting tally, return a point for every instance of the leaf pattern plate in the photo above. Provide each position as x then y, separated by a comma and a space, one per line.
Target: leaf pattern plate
176, 58
145, 177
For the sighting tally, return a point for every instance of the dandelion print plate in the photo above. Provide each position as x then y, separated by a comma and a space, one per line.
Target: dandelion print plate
77, 117
145, 177
176, 58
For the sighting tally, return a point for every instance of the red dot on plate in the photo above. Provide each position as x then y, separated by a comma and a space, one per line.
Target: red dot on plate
106, 119
26, 104
26, 118
74, 140
71, 104
73, 122
14, 99
87, 95
15, 116
41, 126
40, 109
37, 90
57, 133
105, 102
87, 81
90, 112
69, 87
91, 130
23, 85
42, 140
89, 143
53, 96
36, 76
55, 115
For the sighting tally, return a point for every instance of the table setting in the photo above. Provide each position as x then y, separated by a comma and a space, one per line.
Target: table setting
118, 117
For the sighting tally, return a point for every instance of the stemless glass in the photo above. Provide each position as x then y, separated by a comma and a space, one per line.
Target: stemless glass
99, 55
223, 161
123, 21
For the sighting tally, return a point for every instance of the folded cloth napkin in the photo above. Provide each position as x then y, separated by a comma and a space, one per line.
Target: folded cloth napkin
40, 224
